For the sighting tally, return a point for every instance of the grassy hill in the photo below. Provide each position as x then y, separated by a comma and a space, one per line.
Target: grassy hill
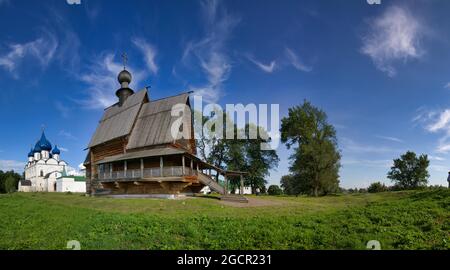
399, 220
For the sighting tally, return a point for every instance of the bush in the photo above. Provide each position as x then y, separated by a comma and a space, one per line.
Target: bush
10, 184
377, 187
274, 190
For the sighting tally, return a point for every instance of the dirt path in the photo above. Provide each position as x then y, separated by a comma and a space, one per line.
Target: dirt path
252, 202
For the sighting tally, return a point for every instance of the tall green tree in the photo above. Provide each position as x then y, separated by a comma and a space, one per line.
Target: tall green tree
274, 190
4, 184
236, 154
410, 171
10, 184
287, 184
315, 162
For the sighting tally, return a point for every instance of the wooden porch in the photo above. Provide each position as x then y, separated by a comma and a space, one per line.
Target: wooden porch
166, 174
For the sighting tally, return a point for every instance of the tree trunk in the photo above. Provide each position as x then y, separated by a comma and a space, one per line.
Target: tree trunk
316, 186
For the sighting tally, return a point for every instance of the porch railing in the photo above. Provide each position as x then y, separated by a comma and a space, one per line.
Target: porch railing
175, 171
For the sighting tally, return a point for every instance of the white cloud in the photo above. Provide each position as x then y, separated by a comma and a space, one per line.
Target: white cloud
67, 135
73, 172
442, 122
443, 145
101, 81
210, 51
295, 61
436, 158
55, 41
8, 165
269, 68
349, 145
394, 36
62, 109
380, 163
149, 51
436, 122
393, 139
63, 149
41, 49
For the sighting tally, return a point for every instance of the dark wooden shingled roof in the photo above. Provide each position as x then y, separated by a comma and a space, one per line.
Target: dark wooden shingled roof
153, 126
117, 121
152, 121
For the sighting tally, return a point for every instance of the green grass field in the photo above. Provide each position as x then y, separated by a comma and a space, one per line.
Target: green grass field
399, 220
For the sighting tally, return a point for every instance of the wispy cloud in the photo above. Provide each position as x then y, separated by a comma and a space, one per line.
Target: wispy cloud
4, 2
63, 149
349, 145
436, 158
436, 122
210, 51
378, 163
92, 9
394, 36
67, 135
41, 49
392, 139
101, 81
62, 109
149, 51
439, 168
295, 61
73, 171
8, 165
55, 41
269, 68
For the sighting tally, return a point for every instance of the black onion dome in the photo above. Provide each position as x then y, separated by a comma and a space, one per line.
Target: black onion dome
124, 76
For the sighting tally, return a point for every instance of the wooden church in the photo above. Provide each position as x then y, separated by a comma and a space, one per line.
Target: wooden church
133, 152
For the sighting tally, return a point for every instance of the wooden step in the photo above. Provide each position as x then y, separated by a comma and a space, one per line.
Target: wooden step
234, 198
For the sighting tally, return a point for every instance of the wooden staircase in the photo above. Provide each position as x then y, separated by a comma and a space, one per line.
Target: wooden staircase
213, 185
208, 181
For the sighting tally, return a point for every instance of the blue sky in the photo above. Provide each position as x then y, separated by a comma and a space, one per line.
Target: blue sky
381, 72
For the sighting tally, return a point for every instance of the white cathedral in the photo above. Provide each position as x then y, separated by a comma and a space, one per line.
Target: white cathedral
46, 172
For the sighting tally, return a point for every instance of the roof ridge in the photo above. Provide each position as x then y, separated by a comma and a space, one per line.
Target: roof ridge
120, 111
184, 93
143, 89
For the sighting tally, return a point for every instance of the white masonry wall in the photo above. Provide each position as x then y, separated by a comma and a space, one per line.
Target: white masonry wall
68, 184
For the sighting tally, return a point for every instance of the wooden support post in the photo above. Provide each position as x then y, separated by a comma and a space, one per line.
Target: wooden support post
183, 162
242, 185
192, 166
125, 169
110, 170
226, 183
161, 165
142, 168
197, 169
